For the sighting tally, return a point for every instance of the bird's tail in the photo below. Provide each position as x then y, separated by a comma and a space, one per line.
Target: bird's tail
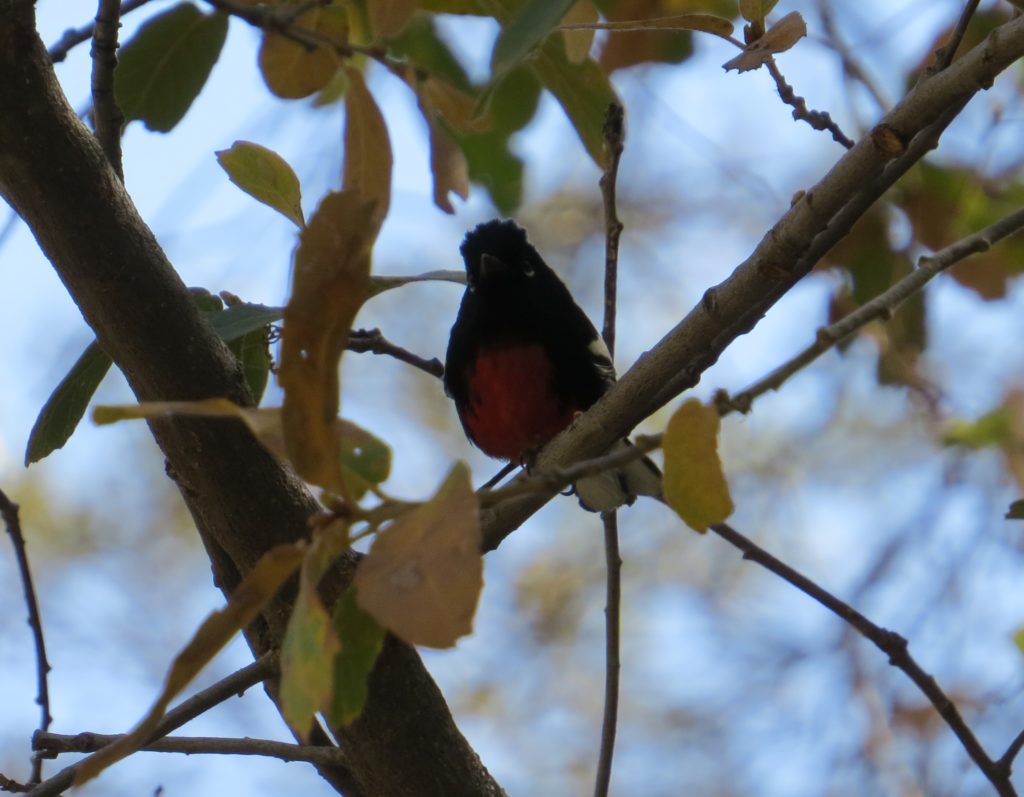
612, 489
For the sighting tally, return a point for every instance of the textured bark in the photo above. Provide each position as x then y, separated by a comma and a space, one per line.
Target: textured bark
54, 174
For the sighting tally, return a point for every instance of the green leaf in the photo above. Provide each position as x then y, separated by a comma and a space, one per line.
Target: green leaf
163, 68
695, 485
264, 175
361, 642
310, 644
253, 353
365, 458
242, 319
67, 404
1016, 510
535, 20
991, 429
582, 90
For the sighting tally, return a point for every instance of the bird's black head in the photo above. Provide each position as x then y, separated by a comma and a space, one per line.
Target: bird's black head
499, 258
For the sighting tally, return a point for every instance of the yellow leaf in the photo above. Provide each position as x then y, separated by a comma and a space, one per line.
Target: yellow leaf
310, 643
423, 575
389, 17
256, 589
367, 147
293, 70
578, 42
329, 284
695, 485
265, 175
448, 164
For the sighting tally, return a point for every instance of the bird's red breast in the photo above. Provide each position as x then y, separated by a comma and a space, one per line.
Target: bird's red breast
512, 408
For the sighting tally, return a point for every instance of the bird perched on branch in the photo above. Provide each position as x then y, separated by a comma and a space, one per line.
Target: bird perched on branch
524, 360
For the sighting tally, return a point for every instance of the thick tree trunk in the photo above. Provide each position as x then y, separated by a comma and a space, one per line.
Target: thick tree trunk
54, 174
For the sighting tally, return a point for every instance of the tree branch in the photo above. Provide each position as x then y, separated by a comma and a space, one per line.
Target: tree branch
881, 307
944, 55
75, 36
820, 218
614, 141
106, 116
9, 513
889, 642
372, 340
55, 744
53, 172
819, 120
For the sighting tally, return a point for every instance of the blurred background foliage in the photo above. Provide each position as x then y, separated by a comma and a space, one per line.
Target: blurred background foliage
877, 471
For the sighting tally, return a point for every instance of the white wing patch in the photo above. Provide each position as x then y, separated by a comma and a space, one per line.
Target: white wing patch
602, 359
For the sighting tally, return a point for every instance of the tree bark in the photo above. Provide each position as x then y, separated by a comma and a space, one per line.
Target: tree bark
54, 174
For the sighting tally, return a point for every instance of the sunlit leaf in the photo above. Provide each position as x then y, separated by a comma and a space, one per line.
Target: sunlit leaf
695, 485
329, 284
256, 589
162, 69
264, 175
368, 159
310, 644
424, 572
361, 641
578, 42
756, 10
778, 38
291, 69
532, 21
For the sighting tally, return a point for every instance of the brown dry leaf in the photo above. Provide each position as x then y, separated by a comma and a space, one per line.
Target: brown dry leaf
457, 108
256, 589
777, 39
329, 284
695, 485
448, 164
389, 17
292, 70
368, 158
578, 42
423, 575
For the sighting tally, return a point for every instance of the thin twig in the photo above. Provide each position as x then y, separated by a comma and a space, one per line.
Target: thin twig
889, 642
9, 512
819, 120
612, 662
881, 307
501, 474
199, 703
58, 743
944, 55
371, 340
106, 115
614, 141
553, 480
75, 36
1006, 760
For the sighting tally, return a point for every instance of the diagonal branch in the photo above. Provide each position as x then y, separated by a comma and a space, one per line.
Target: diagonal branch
881, 307
890, 643
820, 218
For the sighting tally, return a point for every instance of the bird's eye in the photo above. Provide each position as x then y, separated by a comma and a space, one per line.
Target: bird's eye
528, 269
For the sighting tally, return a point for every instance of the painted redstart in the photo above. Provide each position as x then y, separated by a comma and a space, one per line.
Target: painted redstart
523, 360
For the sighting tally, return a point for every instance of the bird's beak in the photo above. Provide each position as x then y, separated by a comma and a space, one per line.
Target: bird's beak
491, 265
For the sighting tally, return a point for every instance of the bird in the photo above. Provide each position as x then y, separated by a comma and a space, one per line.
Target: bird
524, 360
